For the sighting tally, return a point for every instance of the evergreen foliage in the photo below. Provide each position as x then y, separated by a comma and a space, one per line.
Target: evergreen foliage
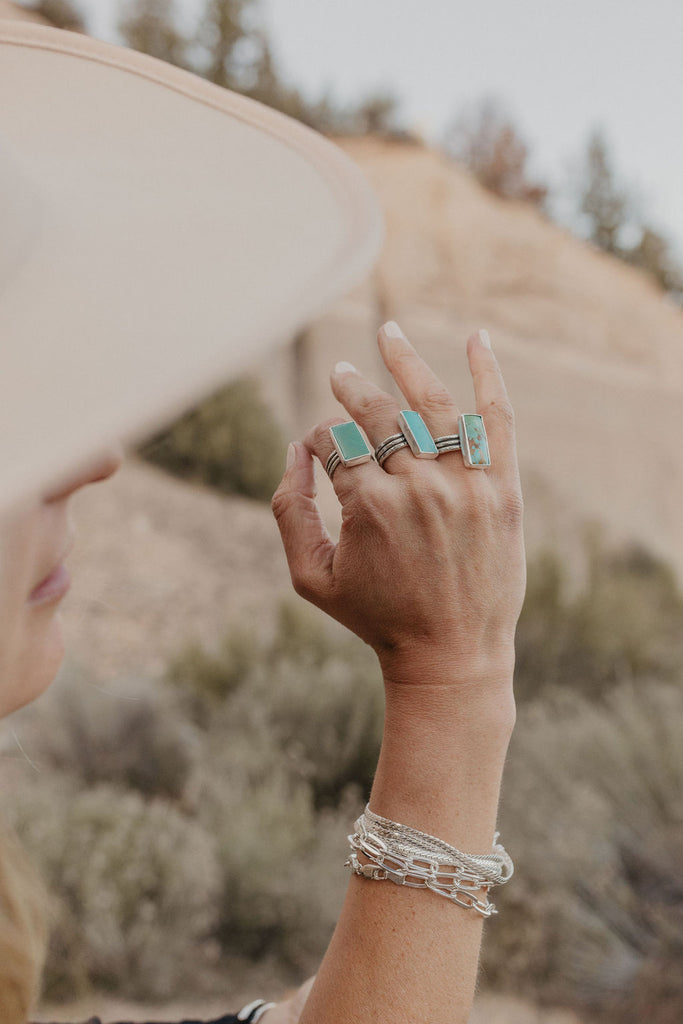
624, 622
150, 26
230, 442
591, 812
610, 216
484, 139
60, 13
228, 46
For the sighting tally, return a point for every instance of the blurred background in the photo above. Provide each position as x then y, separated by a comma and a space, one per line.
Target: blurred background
187, 784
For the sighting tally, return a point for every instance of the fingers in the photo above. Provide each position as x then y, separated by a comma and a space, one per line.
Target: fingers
376, 412
430, 397
422, 388
308, 546
493, 403
373, 409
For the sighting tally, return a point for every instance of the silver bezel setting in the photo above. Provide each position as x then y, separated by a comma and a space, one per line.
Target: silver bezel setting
465, 443
357, 460
412, 440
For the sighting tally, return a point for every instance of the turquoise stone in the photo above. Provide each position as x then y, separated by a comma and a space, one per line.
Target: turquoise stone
350, 443
418, 437
475, 447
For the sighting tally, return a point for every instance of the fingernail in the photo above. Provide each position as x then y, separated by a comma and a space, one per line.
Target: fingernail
291, 456
345, 367
484, 338
392, 330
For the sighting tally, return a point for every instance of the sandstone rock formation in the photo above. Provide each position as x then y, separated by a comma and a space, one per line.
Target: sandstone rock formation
592, 352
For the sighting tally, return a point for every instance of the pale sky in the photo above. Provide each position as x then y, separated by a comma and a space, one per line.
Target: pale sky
561, 67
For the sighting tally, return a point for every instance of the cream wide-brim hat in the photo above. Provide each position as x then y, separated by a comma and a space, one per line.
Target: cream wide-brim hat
157, 235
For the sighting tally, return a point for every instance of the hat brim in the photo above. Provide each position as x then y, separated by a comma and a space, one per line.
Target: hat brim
163, 232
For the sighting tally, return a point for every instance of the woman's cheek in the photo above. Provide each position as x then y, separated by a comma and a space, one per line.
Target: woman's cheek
31, 644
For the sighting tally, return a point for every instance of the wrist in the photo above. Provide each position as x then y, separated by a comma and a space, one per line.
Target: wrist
432, 684
442, 760
450, 663
484, 711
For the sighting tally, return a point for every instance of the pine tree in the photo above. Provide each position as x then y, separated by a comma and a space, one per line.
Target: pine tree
604, 204
60, 13
222, 34
487, 142
150, 27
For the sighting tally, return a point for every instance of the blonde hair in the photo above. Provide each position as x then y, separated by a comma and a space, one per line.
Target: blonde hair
23, 932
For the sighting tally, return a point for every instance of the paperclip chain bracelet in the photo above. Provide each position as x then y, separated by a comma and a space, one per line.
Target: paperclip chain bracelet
405, 856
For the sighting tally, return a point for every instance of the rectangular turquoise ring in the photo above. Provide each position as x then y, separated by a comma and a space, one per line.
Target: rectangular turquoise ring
416, 434
473, 441
350, 444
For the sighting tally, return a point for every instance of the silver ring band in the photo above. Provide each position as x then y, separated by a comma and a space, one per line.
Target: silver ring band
332, 463
448, 443
389, 446
390, 449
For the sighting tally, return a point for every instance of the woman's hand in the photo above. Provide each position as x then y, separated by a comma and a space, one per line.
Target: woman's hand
429, 568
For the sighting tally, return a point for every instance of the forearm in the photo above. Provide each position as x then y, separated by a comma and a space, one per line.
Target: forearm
409, 955
429, 562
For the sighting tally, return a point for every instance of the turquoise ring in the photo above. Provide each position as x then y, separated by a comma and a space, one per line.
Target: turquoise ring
471, 440
350, 447
417, 435
413, 434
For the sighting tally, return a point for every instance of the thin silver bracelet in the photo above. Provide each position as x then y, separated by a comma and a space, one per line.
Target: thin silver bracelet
405, 856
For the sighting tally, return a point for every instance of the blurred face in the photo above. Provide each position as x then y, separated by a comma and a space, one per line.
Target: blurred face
35, 538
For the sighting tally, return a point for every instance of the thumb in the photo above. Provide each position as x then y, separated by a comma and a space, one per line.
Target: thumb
308, 546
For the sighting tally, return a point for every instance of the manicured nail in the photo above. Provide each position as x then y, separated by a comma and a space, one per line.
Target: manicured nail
484, 338
345, 367
392, 330
291, 456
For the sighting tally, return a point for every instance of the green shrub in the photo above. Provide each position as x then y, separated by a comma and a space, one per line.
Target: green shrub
293, 721
230, 441
136, 885
283, 879
655, 995
314, 691
266, 749
204, 681
135, 737
625, 621
592, 813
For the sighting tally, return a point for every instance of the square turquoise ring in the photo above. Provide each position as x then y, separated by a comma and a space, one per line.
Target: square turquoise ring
473, 441
417, 435
349, 444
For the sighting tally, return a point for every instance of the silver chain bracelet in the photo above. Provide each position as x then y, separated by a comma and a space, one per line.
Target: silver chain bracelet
405, 856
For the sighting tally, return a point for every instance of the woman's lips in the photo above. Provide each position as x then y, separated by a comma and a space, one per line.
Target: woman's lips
52, 588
